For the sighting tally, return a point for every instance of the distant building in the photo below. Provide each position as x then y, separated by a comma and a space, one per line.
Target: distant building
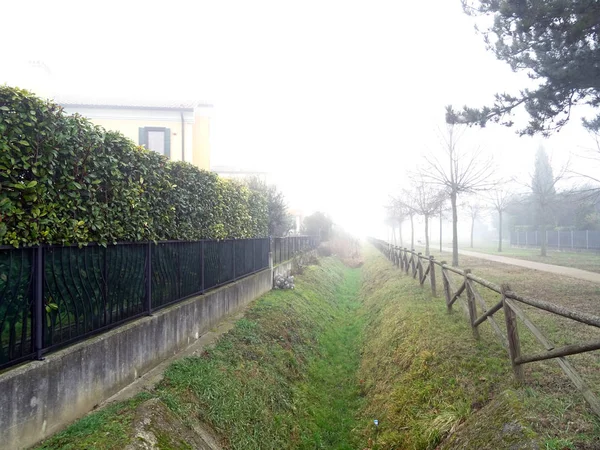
178, 130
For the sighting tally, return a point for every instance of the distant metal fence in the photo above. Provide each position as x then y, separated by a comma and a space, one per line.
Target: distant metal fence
284, 248
561, 240
51, 296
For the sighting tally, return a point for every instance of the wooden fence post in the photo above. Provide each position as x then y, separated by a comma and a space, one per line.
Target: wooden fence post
401, 258
446, 284
406, 265
432, 276
512, 333
471, 304
420, 268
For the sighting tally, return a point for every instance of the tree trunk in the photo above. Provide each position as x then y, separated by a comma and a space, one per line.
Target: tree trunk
393, 234
544, 249
472, 229
412, 233
440, 229
426, 235
500, 231
454, 230
400, 234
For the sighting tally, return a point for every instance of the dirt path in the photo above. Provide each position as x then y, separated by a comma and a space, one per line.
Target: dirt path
551, 268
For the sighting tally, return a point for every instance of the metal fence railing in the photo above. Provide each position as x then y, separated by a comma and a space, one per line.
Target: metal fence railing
51, 296
562, 240
284, 248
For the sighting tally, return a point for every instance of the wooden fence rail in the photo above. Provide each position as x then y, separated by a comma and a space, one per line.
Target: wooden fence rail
413, 264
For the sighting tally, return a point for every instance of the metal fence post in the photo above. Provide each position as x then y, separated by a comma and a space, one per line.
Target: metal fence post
149, 279
39, 302
571, 239
536, 238
233, 256
202, 267
587, 239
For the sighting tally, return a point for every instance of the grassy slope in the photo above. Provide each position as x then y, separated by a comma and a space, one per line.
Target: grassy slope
284, 377
424, 376
574, 294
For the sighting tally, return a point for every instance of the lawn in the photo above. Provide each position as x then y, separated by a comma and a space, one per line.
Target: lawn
587, 260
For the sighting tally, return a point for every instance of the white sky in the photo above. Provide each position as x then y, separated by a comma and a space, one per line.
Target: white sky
335, 98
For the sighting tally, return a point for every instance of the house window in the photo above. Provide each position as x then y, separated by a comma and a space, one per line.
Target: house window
157, 139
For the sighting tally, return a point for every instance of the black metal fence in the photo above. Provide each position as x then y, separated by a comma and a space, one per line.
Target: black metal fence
284, 248
51, 296
561, 240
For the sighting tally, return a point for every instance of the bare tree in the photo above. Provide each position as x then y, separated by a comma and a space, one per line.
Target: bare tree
474, 210
500, 200
396, 216
459, 172
406, 203
443, 209
427, 200
391, 220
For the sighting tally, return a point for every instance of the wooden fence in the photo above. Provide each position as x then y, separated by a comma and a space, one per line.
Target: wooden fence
421, 267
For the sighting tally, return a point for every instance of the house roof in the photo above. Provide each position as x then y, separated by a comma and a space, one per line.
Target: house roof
127, 103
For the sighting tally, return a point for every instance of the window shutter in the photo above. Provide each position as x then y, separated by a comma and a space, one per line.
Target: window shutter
143, 137
168, 143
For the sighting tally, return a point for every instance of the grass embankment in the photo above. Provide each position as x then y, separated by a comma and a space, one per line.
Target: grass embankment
429, 383
313, 367
284, 377
585, 260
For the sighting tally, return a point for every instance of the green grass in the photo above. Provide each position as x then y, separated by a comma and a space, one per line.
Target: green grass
580, 260
106, 429
283, 377
331, 394
313, 368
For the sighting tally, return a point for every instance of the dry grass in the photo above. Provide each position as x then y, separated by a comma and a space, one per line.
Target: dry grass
574, 294
583, 260
432, 385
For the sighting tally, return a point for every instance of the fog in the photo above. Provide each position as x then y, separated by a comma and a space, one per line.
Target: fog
337, 101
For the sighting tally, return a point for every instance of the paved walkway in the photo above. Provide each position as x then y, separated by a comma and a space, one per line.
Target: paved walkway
551, 268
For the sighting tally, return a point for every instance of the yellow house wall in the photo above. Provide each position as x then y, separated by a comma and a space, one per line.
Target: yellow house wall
130, 128
201, 141
128, 121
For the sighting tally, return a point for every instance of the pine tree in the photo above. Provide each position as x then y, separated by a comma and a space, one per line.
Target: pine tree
557, 43
544, 193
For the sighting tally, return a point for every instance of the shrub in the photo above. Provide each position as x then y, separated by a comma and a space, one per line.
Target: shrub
64, 180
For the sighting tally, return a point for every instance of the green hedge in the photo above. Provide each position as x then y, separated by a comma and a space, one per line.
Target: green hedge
64, 180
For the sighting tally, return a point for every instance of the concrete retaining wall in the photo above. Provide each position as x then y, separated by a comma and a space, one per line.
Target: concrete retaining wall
42, 397
284, 269
290, 267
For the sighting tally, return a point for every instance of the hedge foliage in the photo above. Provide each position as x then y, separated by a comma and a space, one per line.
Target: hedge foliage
65, 180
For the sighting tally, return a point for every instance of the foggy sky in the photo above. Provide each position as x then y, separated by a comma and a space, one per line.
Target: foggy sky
337, 99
